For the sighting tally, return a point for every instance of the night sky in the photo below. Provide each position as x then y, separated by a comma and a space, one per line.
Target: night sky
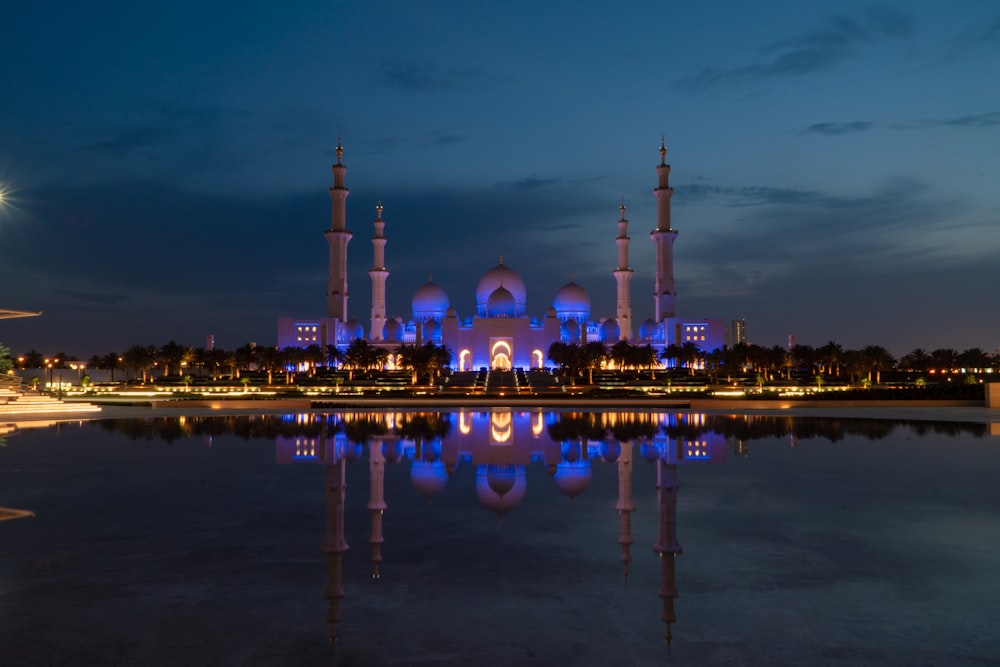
166, 167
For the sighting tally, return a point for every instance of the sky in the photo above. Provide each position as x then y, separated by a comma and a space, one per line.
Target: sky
165, 168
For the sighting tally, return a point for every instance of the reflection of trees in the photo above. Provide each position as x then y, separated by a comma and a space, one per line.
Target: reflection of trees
592, 426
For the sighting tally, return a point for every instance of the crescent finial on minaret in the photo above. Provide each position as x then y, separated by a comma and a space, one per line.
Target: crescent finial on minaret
622, 208
378, 209
663, 149
501, 258
340, 150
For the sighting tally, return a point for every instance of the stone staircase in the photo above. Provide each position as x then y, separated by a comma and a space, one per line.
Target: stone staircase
13, 401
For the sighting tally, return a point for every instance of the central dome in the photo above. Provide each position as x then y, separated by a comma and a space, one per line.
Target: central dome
500, 276
501, 303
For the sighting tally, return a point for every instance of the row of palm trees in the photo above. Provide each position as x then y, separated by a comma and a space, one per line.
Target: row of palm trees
145, 362
427, 361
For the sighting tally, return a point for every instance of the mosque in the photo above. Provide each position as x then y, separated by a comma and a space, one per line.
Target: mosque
501, 335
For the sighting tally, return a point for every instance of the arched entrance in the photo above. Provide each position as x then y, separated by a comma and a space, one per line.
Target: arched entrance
501, 355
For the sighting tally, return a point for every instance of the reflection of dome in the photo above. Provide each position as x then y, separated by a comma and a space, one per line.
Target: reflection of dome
392, 450
501, 303
610, 450
649, 451
501, 478
353, 330
393, 330
573, 478
610, 331
505, 276
430, 301
428, 478
572, 301
647, 329
500, 503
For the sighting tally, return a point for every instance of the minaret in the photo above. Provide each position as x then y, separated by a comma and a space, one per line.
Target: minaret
663, 237
334, 544
379, 274
667, 545
338, 238
625, 504
623, 276
376, 501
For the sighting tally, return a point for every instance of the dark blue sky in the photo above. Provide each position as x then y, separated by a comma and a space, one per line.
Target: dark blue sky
166, 168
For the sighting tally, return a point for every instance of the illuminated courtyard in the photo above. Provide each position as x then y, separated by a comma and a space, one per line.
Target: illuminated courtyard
498, 537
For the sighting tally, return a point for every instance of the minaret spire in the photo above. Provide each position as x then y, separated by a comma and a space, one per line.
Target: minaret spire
338, 237
379, 274
663, 237
623, 277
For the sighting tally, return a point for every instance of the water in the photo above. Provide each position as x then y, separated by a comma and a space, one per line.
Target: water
753, 541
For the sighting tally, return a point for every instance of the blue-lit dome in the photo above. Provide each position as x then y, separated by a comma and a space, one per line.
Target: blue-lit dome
572, 301
511, 498
393, 330
353, 330
430, 301
610, 331
570, 331
500, 276
647, 329
501, 303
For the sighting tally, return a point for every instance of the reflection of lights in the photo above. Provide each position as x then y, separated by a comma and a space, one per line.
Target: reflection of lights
463, 423
501, 426
537, 424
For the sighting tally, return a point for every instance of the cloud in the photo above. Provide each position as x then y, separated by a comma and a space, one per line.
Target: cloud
423, 77
816, 50
529, 183
832, 128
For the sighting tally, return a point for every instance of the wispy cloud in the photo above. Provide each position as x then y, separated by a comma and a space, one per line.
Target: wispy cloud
816, 50
833, 128
425, 77
532, 182
976, 120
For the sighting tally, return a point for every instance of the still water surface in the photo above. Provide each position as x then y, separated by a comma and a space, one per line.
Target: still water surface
501, 537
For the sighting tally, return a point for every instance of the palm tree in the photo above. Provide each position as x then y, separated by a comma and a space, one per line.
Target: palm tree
916, 360
334, 356
567, 357
878, 359
829, 357
138, 358
269, 359
592, 354
944, 359
111, 361
171, 354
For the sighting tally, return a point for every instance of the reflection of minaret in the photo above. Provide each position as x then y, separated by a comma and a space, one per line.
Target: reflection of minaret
625, 506
334, 545
376, 500
666, 544
379, 274
623, 276
663, 237
338, 237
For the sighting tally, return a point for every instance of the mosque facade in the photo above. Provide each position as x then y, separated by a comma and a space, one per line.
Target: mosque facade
501, 334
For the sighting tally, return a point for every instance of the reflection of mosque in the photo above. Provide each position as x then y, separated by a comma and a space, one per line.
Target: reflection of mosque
501, 444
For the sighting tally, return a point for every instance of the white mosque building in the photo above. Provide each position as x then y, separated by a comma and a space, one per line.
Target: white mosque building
500, 334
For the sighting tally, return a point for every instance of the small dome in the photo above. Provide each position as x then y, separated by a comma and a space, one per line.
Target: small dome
610, 331
647, 329
393, 330
573, 478
611, 449
572, 301
570, 331
429, 478
500, 275
430, 301
501, 303
551, 312
353, 329
432, 331
450, 313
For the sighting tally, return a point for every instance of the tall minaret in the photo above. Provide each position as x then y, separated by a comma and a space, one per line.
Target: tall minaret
379, 274
338, 237
667, 545
625, 505
663, 237
623, 276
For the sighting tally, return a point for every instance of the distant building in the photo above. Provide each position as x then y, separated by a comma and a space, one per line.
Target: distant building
739, 332
500, 334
